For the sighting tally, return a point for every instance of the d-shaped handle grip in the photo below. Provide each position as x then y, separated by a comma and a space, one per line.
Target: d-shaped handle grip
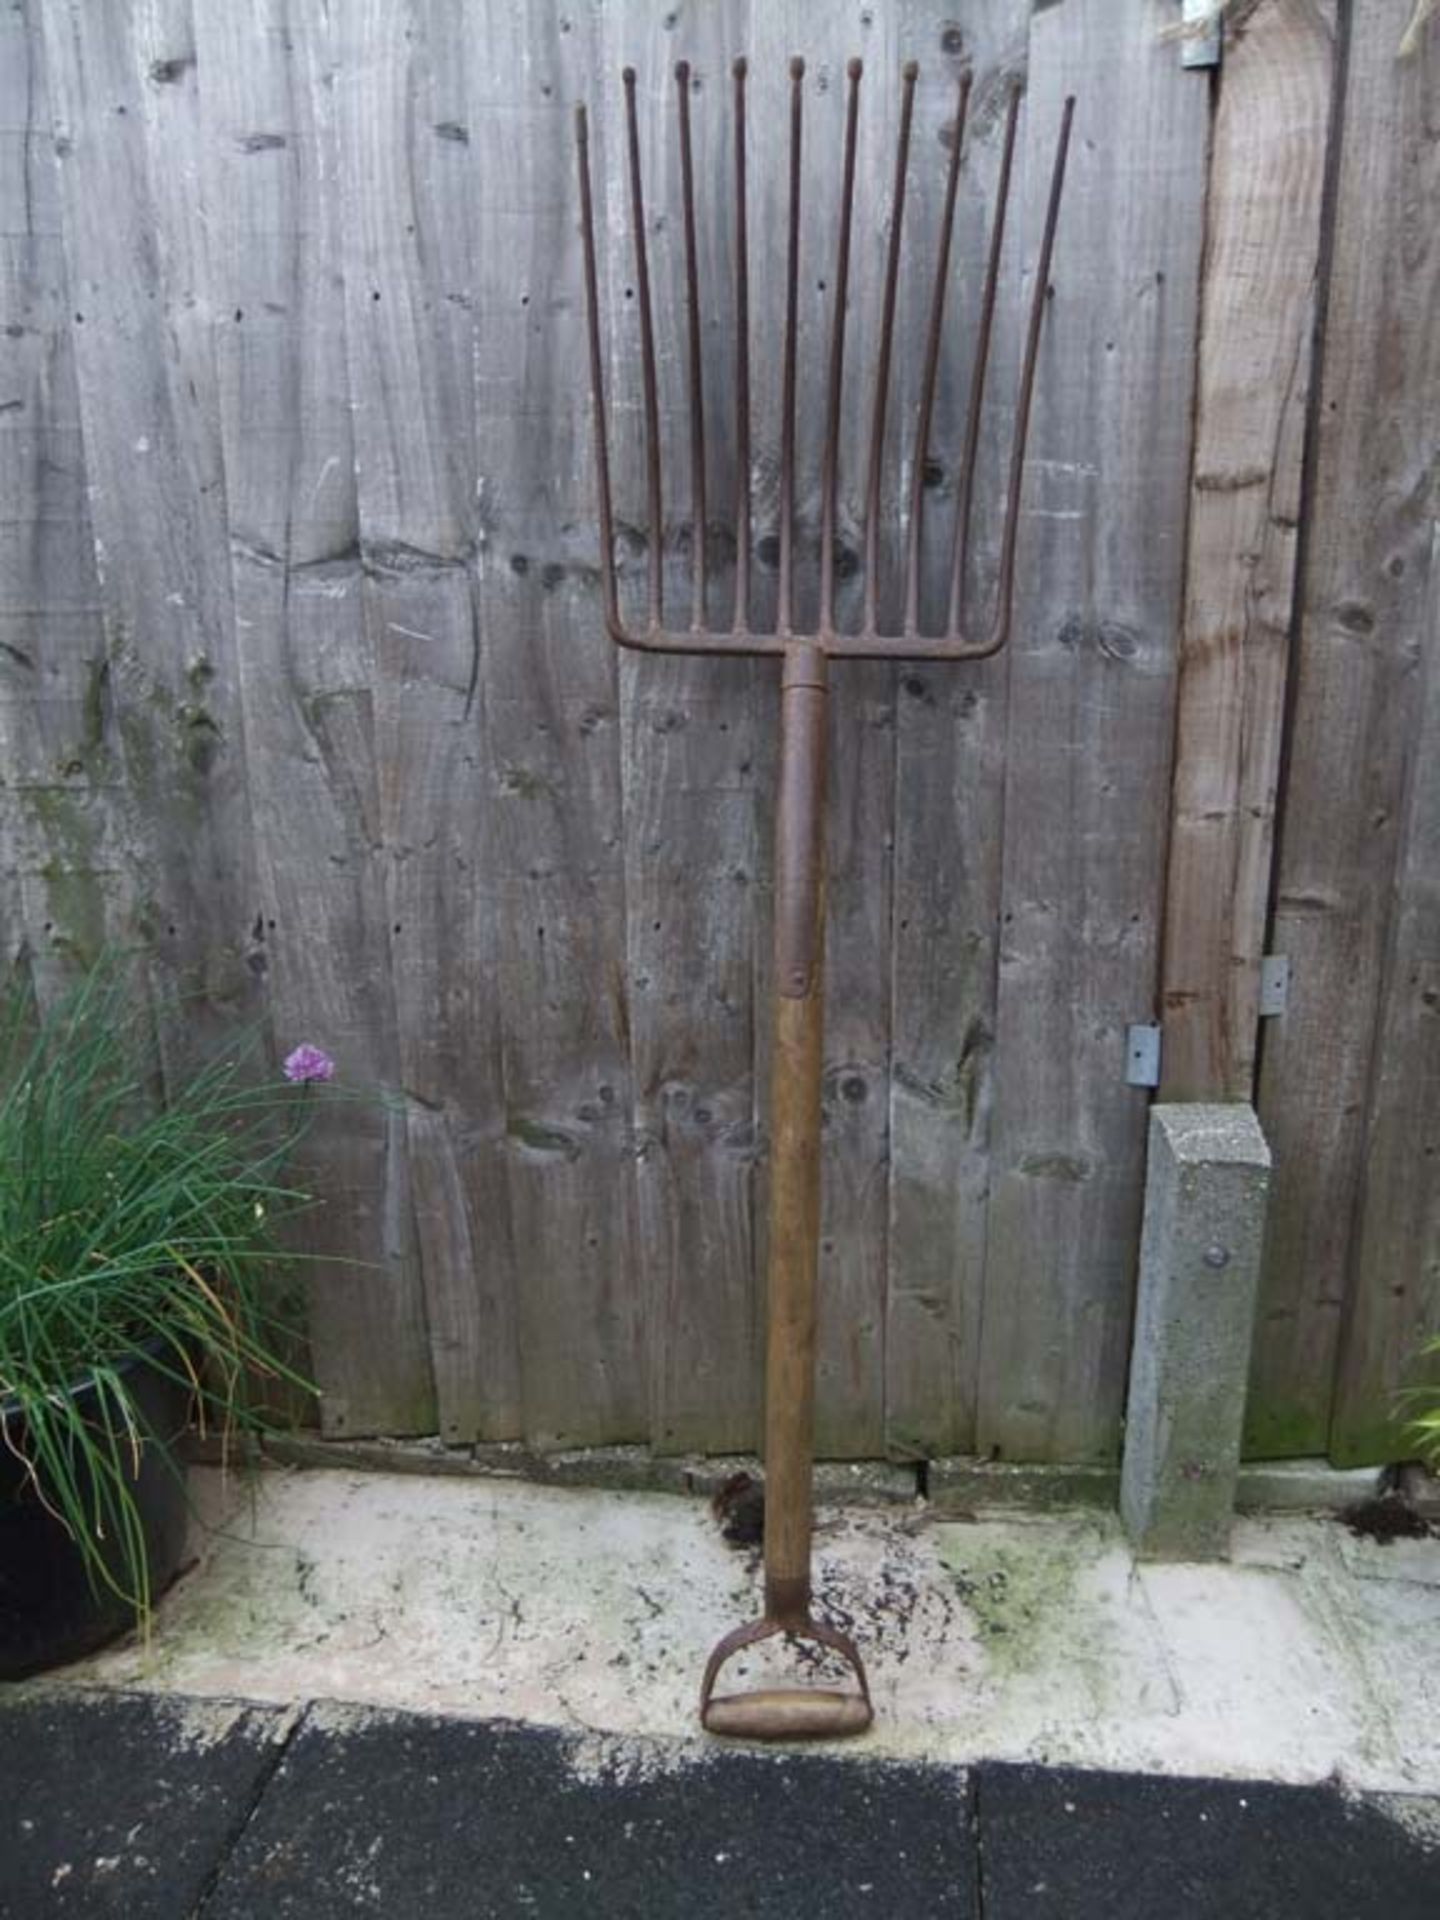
798, 1713
786, 1713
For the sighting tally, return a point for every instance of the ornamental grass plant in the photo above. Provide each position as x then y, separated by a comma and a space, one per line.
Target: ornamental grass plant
136, 1230
1424, 1426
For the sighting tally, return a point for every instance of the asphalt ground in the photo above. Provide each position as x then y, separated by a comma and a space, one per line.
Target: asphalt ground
157, 1808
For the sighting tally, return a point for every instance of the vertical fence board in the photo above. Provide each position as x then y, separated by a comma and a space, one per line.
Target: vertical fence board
62, 843
1091, 715
1267, 171
548, 680
1395, 1285
408, 177
1356, 725
146, 391
306, 681
688, 749
950, 738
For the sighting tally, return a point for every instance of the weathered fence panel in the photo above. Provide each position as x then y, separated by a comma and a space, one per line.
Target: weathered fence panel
123, 104
319, 937
62, 846
303, 680
1352, 1247
950, 745
549, 687
1088, 751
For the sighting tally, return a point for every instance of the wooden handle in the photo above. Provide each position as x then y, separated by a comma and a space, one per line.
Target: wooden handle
789, 1714
795, 1137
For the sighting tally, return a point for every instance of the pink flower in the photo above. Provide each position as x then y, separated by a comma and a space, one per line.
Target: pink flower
308, 1063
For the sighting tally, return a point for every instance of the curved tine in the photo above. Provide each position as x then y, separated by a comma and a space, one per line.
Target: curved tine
1038, 298
932, 364
656, 609
597, 374
742, 366
830, 465
733, 1642
961, 545
887, 336
698, 519
786, 615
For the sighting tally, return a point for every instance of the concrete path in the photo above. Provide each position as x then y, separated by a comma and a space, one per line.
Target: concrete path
1313, 1655
141, 1807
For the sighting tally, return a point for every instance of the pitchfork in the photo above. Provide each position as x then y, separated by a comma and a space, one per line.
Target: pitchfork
795, 1095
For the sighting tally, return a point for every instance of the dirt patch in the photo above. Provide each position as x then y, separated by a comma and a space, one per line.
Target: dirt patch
1389, 1517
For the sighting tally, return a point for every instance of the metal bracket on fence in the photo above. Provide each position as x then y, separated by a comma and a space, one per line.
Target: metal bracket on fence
1201, 33
1142, 1056
1274, 985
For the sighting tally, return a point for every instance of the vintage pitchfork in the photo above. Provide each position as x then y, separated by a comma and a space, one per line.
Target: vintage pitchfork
795, 1094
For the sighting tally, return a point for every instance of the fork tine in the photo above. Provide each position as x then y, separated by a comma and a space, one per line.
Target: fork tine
656, 610
932, 363
1039, 295
786, 617
887, 337
831, 460
597, 371
742, 365
698, 518
965, 484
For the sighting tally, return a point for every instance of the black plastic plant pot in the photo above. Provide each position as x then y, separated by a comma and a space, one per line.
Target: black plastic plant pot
51, 1610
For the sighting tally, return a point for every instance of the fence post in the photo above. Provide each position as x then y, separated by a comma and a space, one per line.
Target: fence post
1206, 1184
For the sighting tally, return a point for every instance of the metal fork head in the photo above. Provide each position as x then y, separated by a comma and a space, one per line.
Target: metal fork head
960, 636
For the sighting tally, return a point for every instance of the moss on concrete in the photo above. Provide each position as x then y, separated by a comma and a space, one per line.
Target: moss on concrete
1018, 1583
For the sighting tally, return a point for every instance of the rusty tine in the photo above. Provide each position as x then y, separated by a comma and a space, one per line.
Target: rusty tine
961, 545
932, 363
742, 366
697, 393
656, 608
831, 459
887, 337
597, 367
787, 393
1038, 297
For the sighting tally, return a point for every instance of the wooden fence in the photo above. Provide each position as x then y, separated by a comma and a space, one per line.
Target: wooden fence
302, 679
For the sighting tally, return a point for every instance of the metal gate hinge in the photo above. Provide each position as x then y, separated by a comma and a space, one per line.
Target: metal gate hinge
1274, 985
1201, 32
1142, 1056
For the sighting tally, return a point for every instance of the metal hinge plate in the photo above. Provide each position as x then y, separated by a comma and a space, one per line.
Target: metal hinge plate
1274, 985
1142, 1056
1201, 33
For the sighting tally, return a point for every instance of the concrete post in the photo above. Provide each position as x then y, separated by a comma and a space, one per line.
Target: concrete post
1205, 1190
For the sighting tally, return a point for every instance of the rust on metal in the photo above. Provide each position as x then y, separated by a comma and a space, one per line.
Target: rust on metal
655, 511
787, 377
961, 636
830, 460
786, 1713
921, 458
698, 517
742, 364
795, 1114
887, 342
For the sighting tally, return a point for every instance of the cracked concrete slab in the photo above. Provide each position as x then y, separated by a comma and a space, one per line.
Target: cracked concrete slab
1031, 1638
